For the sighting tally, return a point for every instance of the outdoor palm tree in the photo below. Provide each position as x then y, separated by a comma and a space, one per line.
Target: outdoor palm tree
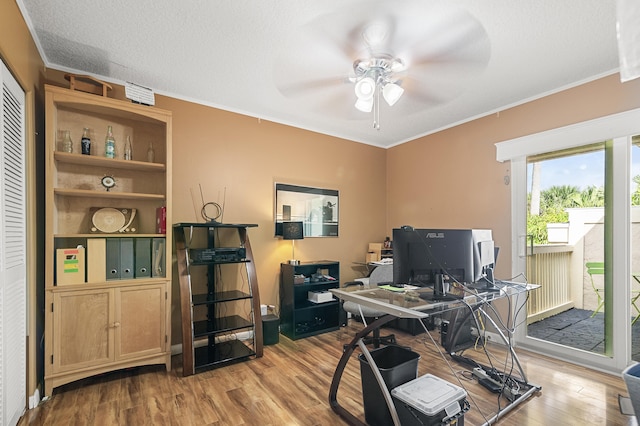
534, 201
590, 197
558, 197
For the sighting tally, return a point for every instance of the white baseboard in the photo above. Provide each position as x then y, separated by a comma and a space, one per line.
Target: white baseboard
34, 399
176, 349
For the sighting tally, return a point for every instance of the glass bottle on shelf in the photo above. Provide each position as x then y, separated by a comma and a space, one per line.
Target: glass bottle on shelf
151, 154
110, 144
67, 143
86, 142
128, 154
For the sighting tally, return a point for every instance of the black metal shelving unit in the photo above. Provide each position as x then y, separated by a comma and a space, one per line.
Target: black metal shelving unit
210, 320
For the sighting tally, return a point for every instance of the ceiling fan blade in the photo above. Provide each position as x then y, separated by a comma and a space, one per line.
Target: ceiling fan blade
307, 65
310, 87
419, 94
399, 28
361, 31
441, 45
467, 45
427, 27
440, 79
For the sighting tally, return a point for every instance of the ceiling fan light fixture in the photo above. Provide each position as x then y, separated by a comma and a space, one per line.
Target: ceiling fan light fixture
392, 93
364, 105
365, 88
375, 76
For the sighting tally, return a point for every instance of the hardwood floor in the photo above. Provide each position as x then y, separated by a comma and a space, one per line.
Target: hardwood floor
289, 385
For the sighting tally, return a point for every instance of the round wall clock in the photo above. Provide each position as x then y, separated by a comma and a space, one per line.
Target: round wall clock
108, 182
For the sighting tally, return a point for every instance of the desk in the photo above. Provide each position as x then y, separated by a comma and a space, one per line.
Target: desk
409, 304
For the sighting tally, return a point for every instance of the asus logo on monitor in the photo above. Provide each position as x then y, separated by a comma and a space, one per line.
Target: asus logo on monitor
434, 235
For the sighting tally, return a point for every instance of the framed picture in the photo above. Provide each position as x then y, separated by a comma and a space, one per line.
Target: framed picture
316, 208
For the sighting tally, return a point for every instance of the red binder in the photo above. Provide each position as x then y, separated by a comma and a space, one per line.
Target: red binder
161, 220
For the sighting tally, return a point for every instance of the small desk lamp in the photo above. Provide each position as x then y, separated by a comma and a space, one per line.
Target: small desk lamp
292, 231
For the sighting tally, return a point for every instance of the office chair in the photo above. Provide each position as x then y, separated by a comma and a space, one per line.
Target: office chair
382, 273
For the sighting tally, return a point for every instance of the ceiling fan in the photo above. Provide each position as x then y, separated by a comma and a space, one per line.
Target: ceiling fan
411, 53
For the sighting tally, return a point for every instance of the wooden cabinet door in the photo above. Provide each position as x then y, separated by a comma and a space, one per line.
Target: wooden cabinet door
83, 329
141, 316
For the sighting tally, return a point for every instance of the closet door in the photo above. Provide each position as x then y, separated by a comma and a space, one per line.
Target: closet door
13, 283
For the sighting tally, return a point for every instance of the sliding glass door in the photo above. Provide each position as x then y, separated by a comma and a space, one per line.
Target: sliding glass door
566, 219
575, 227
635, 248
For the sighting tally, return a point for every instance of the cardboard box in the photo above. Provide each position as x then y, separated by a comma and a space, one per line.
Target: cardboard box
70, 266
372, 257
375, 247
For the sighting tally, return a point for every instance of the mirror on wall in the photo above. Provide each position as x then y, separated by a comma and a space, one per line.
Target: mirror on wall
316, 208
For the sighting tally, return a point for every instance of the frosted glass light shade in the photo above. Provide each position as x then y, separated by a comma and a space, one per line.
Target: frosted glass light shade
364, 105
391, 93
365, 88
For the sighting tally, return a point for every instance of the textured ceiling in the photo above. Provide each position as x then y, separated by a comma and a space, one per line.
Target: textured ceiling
242, 56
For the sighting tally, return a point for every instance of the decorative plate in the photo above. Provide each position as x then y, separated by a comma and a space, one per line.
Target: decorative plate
108, 220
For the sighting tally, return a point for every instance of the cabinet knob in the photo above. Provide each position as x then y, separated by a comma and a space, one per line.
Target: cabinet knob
115, 325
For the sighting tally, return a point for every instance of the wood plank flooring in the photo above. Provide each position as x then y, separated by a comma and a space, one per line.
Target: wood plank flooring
289, 385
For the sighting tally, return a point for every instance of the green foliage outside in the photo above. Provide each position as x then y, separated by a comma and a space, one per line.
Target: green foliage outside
556, 199
635, 197
553, 204
537, 225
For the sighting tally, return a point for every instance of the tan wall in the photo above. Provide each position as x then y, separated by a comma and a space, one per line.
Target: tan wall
19, 53
17, 47
452, 179
225, 152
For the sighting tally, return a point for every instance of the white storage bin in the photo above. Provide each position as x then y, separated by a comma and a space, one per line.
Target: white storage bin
428, 400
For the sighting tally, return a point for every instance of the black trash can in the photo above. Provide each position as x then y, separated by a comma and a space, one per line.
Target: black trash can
397, 365
270, 329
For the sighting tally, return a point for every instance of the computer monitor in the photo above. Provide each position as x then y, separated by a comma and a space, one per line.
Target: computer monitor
427, 257
485, 254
